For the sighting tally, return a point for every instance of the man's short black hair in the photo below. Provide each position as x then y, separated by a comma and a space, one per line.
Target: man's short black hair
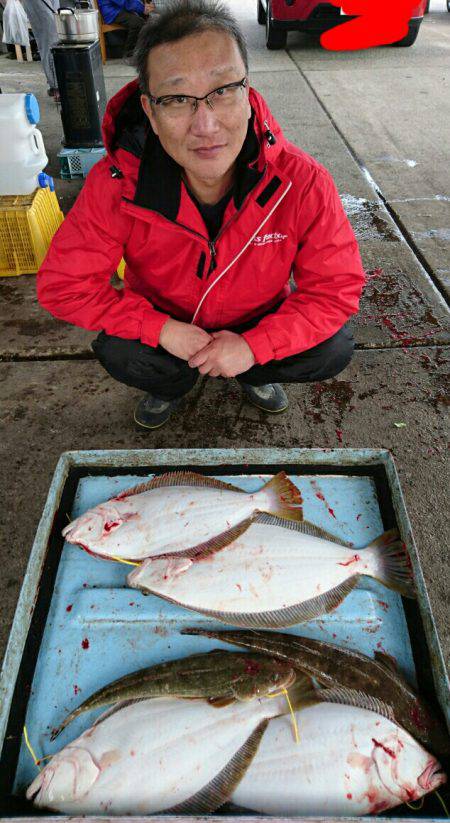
181, 18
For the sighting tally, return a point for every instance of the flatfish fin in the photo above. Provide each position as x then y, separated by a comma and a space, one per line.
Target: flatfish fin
214, 544
220, 789
116, 708
391, 564
354, 697
387, 661
281, 618
232, 809
221, 702
387, 537
303, 527
178, 478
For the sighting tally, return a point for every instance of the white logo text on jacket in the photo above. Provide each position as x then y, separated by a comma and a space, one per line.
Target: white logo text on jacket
263, 239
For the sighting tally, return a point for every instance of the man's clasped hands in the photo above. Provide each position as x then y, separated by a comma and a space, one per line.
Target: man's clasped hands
219, 354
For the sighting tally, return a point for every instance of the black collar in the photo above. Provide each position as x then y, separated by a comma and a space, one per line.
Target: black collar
159, 181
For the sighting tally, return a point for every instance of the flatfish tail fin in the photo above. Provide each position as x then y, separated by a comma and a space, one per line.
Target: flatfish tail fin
95, 701
281, 497
67, 720
390, 563
222, 786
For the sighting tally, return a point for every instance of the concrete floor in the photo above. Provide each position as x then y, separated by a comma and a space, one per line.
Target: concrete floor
375, 120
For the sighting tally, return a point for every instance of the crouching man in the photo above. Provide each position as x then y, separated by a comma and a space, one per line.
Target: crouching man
240, 260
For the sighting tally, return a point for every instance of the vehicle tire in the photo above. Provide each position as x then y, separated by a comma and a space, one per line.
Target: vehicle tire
275, 39
448, 5
411, 37
261, 14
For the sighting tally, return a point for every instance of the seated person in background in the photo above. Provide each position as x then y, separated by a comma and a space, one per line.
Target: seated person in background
217, 215
129, 13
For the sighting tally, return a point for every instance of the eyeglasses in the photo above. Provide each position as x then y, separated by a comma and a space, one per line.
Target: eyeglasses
177, 106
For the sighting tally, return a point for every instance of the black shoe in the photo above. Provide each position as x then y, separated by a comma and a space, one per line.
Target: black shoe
151, 412
270, 398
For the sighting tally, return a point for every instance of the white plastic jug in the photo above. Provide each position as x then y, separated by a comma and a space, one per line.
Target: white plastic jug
22, 150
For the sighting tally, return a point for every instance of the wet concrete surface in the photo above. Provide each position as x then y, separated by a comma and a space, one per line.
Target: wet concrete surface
399, 376
47, 406
398, 307
390, 105
401, 307
29, 331
305, 123
369, 220
428, 220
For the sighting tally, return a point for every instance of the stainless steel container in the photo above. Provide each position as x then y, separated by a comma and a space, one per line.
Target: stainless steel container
77, 25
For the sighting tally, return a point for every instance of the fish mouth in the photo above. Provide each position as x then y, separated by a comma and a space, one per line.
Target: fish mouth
289, 681
67, 530
70, 533
34, 789
432, 776
284, 683
33, 796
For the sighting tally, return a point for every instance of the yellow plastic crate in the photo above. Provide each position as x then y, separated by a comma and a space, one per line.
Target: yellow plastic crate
27, 225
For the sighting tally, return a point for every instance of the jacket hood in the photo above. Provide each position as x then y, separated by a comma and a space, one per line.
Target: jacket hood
125, 126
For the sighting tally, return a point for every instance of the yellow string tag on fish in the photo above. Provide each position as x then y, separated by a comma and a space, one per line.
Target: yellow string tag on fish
415, 808
121, 560
291, 710
442, 802
30, 749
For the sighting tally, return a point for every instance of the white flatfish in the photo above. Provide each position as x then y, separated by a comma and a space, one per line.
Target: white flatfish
155, 755
275, 574
349, 762
181, 512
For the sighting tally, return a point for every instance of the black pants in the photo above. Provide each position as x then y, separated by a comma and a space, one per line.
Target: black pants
165, 376
133, 23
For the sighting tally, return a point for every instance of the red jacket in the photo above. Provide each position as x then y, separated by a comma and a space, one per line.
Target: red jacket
284, 218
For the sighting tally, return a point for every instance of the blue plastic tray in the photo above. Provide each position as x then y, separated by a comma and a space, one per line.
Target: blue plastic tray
97, 629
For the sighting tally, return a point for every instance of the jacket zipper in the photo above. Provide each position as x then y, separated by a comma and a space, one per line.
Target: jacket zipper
212, 251
219, 277
211, 243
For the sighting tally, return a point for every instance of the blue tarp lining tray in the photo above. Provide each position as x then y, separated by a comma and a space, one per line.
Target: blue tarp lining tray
88, 628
